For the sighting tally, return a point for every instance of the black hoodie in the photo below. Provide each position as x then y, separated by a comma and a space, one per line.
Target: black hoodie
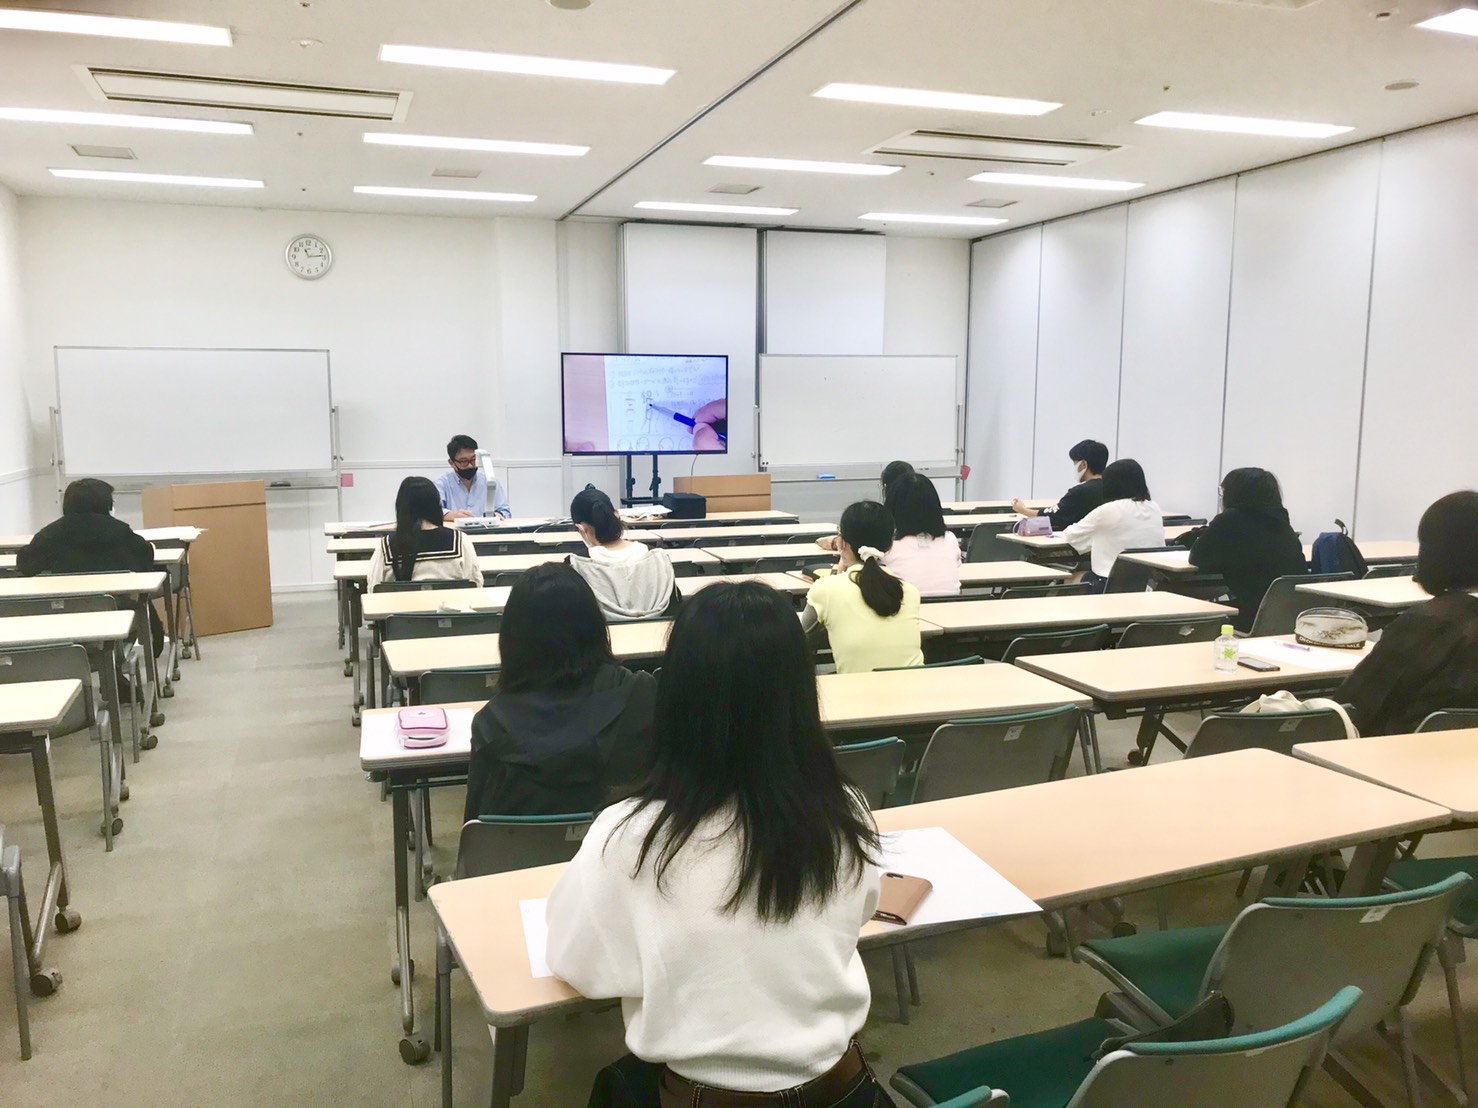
85, 542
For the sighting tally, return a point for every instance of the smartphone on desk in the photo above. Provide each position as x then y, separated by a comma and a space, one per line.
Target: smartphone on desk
1257, 665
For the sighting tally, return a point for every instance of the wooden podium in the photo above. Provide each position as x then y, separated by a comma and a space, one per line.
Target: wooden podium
733, 492
230, 579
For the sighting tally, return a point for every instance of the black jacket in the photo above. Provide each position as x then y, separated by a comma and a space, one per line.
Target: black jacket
85, 542
1426, 661
548, 753
1076, 503
1249, 550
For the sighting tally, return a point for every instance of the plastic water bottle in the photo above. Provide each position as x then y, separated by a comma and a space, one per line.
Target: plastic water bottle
1228, 647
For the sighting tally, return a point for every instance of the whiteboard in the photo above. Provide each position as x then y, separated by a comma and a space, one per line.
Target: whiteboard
142, 411
826, 411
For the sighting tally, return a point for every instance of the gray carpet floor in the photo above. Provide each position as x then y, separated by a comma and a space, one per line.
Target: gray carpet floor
236, 944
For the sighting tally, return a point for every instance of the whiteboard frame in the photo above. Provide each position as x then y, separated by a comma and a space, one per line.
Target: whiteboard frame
59, 462
930, 467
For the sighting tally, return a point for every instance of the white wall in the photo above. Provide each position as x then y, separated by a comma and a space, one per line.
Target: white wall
1327, 302
824, 293
16, 462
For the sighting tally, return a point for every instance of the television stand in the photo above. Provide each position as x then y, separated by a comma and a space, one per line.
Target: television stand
630, 500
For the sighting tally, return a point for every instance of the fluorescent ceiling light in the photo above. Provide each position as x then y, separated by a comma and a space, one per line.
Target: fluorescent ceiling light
801, 165
445, 194
140, 122
1044, 180
111, 26
156, 178
1462, 21
721, 209
490, 146
923, 98
906, 217
1242, 125
526, 64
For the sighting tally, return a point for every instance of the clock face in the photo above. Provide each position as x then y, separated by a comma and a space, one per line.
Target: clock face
309, 257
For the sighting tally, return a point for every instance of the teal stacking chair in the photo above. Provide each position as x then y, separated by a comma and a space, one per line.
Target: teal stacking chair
1279, 956
454, 686
1057, 1069
969, 756
872, 768
1450, 719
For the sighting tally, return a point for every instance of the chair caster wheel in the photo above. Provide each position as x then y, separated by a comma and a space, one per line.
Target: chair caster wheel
149, 742
1123, 929
156, 719
68, 919
166, 693
45, 982
414, 1050
123, 791
348, 669
1136, 758
185, 653
117, 826
1056, 946
354, 717
395, 972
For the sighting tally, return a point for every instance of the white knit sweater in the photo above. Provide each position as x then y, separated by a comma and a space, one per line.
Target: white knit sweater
722, 999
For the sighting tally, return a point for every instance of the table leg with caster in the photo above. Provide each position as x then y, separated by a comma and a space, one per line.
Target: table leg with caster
151, 665
510, 1050
413, 1048
444, 1013
113, 741
171, 629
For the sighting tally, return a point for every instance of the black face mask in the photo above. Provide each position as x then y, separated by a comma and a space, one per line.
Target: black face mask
466, 474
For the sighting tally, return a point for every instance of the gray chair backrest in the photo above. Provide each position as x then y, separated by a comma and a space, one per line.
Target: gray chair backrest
453, 686
498, 844
1028, 592
54, 663
1283, 603
872, 767
1265, 1070
421, 586
1279, 957
507, 577
1450, 719
1391, 569
53, 605
432, 625
1068, 641
1276, 731
782, 563
985, 546
1168, 632
1128, 576
983, 755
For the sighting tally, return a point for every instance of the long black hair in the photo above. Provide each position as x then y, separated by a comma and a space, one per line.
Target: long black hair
914, 504
893, 473
553, 634
1124, 480
1447, 544
1250, 489
868, 524
417, 502
594, 509
738, 732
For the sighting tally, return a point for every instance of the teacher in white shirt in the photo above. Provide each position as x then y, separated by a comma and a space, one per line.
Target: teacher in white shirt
464, 488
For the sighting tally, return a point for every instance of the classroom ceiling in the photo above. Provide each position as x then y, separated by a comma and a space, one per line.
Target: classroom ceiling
745, 72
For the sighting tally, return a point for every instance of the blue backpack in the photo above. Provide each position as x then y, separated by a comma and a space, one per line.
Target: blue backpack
1336, 552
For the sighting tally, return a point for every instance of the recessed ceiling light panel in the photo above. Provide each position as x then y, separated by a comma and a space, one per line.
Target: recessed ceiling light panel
111, 26
925, 98
119, 153
156, 178
717, 209
139, 122
1042, 180
1242, 125
445, 194
487, 146
801, 165
526, 64
950, 220
1460, 21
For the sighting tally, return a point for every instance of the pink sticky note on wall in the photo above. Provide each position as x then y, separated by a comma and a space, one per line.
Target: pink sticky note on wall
346, 480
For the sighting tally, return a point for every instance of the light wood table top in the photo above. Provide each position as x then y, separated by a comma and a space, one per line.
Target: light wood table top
87, 628
759, 532
1376, 552
30, 706
740, 555
357, 569
410, 657
382, 605
1151, 673
1437, 766
1048, 840
970, 519
720, 519
1378, 592
782, 582
991, 505
979, 574
1055, 540
167, 557
1116, 609
84, 584
948, 692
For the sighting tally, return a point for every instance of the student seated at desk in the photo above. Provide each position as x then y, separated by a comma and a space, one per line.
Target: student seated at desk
88, 538
721, 902
924, 552
567, 725
1126, 520
893, 472
1428, 659
630, 580
870, 616
1250, 542
1089, 459
420, 548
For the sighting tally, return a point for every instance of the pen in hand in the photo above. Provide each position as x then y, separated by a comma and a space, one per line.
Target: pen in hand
720, 426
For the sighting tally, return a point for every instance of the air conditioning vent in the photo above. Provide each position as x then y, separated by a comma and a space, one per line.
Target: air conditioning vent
998, 149
184, 90
735, 190
990, 203
122, 153
464, 174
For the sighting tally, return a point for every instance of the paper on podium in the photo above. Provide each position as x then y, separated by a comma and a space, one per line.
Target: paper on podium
1319, 658
965, 887
535, 935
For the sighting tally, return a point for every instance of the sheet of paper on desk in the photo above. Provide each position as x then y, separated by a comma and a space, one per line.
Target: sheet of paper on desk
644, 511
1318, 658
965, 887
535, 935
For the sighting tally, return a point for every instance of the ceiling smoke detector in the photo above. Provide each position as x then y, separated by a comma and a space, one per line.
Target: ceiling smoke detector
735, 190
989, 202
569, 5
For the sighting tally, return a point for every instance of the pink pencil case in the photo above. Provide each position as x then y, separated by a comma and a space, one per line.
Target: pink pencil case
421, 727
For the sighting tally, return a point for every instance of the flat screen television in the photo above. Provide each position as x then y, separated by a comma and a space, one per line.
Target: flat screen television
645, 403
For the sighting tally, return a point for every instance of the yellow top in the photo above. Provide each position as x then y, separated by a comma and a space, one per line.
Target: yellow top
862, 640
